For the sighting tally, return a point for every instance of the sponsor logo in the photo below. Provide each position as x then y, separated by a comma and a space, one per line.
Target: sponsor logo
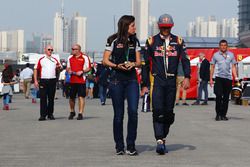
170, 54
156, 53
173, 43
120, 45
165, 20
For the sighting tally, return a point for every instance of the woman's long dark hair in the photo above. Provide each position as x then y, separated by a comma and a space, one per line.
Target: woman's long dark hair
7, 74
123, 26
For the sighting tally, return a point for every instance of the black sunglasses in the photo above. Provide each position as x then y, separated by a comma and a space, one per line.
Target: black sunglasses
50, 50
74, 49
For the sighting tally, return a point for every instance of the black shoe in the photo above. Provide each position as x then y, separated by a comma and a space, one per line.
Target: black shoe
160, 148
196, 103
131, 151
51, 117
71, 115
176, 104
185, 104
217, 118
42, 119
204, 103
224, 118
103, 103
120, 152
79, 117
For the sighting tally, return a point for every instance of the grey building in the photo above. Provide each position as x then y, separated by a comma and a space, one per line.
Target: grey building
244, 22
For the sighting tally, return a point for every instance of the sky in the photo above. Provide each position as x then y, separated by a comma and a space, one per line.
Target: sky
38, 15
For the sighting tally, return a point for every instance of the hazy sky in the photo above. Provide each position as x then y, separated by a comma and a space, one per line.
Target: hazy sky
37, 15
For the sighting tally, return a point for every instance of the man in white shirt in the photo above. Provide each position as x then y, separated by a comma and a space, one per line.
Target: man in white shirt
46, 67
26, 77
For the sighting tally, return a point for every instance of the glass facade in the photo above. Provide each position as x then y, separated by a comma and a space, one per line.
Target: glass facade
244, 14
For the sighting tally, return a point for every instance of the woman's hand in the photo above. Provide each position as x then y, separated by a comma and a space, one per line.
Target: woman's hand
122, 66
129, 65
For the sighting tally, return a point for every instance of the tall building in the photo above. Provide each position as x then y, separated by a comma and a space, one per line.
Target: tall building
12, 41
58, 33
229, 28
46, 40
153, 26
140, 9
197, 26
244, 14
3, 41
66, 42
68, 32
190, 30
77, 31
34, 46
213, 28
244, 22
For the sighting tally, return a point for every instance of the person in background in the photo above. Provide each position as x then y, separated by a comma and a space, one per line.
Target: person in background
47, 66
102, 75
34, 91
62, 78
179, 83
26, 77
204, 78
90, 83
67, 84
223, 79
122, 54
7, 76
78, 65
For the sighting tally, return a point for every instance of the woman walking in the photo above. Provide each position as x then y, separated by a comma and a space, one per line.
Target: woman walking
7, 76
122, 54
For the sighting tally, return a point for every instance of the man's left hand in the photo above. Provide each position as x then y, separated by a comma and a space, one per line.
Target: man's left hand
79, 73
186, 83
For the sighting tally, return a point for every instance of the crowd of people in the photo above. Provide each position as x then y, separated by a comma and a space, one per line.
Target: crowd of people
165, 73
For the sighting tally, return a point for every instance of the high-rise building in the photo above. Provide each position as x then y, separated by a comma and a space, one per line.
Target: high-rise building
229, 28
244, 14
244, 22
34, 46
190, 30
46, 40
58, 33
66, 42
140, 9
77, 31
213, 28
197, 27
68, 32
12, 41
153, 26
3, 41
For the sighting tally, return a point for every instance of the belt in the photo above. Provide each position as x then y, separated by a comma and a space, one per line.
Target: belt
167, 74
48, 79
170, 75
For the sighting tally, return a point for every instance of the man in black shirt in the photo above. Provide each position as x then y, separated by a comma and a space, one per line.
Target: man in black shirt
204, 78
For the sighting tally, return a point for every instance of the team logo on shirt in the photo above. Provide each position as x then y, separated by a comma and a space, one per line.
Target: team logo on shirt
120, 45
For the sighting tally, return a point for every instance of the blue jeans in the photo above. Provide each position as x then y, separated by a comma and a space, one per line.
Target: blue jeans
103, 93
6, 99
202, 87
34, 93
119, 91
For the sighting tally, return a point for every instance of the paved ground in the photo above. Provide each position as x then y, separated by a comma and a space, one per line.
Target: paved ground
195, 140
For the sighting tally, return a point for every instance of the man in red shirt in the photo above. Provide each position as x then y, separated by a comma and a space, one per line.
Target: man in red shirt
78, 64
